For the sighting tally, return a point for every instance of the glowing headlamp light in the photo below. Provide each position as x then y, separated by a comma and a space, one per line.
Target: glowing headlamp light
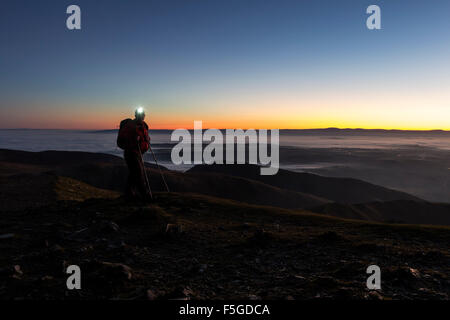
140, 110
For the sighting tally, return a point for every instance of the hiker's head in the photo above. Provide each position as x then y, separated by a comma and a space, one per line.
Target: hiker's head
139, 113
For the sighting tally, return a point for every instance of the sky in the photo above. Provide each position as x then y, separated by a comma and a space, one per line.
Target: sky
230, 63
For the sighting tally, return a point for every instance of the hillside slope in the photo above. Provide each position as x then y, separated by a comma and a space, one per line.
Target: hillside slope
189, 246
19, 192
336, 189
29, 179
239, 182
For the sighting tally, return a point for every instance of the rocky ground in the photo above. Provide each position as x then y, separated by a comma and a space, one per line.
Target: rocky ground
187, 246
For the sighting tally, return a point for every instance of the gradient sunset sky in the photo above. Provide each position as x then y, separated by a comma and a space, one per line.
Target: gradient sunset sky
230, 63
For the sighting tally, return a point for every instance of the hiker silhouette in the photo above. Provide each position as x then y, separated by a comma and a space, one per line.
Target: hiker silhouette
133, 138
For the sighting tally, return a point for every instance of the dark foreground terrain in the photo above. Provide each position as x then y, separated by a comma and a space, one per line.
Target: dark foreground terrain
59, 209
197, 247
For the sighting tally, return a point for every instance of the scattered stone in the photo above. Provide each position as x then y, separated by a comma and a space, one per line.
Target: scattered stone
77, 234
118, 269
17, 272
108, 270
57, 249
172, 228
414, 272
188, 292
151, 295
374, 295
402, 276
107, 226
179, 293
17, 269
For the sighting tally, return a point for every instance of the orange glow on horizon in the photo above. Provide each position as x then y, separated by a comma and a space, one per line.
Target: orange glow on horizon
292, 115
171, 124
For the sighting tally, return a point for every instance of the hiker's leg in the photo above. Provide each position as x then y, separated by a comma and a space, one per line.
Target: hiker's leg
133, 174
142, 180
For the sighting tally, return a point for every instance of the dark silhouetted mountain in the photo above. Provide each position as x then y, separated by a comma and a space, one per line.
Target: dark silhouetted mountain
109, 172
336, 189
28, 176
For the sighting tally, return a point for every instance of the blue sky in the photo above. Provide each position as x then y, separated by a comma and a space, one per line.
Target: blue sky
233, 63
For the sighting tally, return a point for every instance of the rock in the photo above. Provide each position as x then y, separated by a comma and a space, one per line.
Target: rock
57, 249
107, 226
402, 276
172, 228
17, 269
109, 271
151, 295
374, 295
179, 293
17, 272
414, 272
77, 234
188, 292
117, 269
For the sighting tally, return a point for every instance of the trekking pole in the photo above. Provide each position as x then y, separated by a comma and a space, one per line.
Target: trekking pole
160, 171
145, 172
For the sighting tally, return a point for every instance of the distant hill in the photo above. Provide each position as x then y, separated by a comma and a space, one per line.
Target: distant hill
32, 179
336, 189
330, 130
52, 158
109, 172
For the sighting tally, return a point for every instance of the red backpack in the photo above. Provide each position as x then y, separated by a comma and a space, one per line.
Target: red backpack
129, 131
